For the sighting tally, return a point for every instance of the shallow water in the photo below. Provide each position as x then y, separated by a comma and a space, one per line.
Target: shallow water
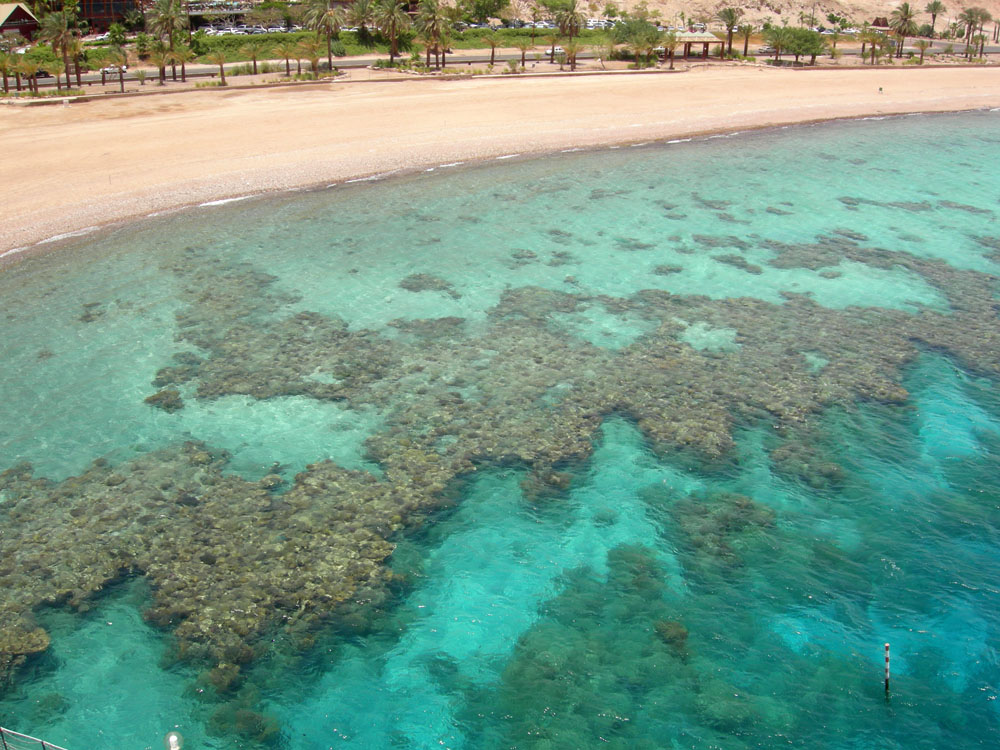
650, 447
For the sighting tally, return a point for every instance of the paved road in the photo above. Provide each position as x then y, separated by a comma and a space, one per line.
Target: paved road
469, 58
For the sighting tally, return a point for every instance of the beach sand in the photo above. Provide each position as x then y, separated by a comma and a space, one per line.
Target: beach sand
69, 167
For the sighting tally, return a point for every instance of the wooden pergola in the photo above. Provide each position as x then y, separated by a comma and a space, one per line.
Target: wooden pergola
691, 38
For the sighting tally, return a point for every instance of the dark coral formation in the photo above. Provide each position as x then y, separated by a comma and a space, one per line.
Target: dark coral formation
425, 282
231, 560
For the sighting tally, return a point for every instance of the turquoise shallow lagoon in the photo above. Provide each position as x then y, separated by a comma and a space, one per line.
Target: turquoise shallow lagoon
651, 447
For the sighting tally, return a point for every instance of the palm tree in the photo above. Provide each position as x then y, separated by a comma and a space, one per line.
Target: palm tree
524, 45
15, 68
569, 19
75, 51
778, 37
935, 8
730, 18
253, 49
973, 19
218, 57
160, 56
493, 39
6, 62
362, 15
58, 29
551, 39
325, 20
57, 66
166, 17
184, 55
922, 45
901, 21
573, 49
979, 42
831, 41
670, 43
116, 56
746, 31
392, 19
867, 37
444, 43
28, 69
309, 50
287, 50
431, 21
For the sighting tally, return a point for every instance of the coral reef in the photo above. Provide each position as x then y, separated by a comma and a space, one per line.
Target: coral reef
230, 561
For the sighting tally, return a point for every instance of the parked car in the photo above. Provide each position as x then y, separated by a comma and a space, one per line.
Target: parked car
113, 69
767, 49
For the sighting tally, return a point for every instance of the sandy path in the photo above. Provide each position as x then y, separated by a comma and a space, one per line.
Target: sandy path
65, 168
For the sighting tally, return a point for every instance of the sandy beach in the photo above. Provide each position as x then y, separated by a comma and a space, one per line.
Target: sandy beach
70, 167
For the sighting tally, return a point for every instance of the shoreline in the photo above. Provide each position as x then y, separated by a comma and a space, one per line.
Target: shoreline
409, 127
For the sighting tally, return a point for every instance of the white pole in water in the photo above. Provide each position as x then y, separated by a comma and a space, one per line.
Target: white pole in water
173, 741
887, 670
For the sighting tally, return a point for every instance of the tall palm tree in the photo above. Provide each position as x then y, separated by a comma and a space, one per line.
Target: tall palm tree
325, 20
935, 8
730, 17
362, 15
392, 20
902, 22
746, 31
166, 17
287, 50
431, 22
569, 19
59, 30
218, 57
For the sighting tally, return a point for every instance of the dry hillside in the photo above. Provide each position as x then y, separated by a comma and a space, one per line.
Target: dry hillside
778, 11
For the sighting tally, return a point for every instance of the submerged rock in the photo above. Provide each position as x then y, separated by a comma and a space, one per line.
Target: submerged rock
168, 399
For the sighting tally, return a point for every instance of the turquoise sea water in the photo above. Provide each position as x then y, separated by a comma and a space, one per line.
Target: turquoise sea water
652, 447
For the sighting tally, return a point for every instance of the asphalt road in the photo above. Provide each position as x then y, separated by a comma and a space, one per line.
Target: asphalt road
477, 58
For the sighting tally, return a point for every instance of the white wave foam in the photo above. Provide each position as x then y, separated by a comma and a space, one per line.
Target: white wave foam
223, 201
